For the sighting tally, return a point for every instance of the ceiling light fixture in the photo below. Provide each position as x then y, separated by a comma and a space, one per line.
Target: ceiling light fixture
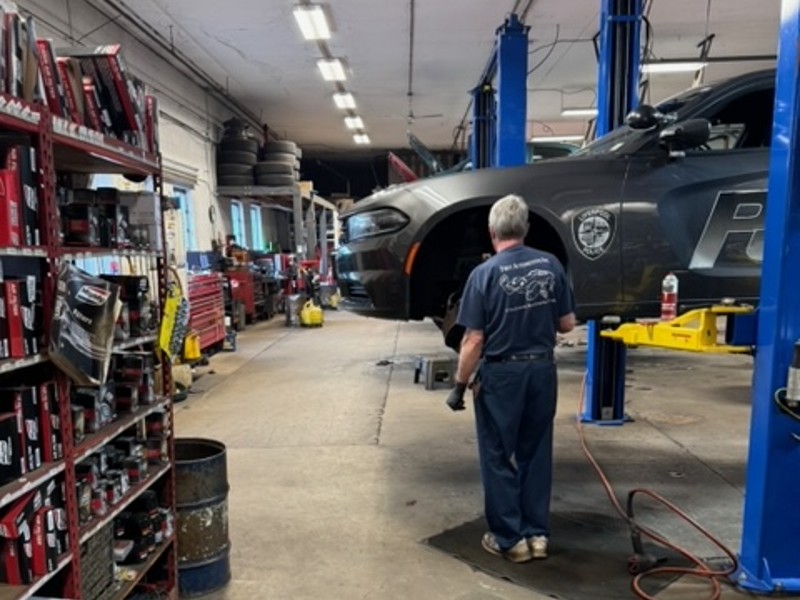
361, 139
676, 66
312, 21
354, 122
579, 112
332, 69
344, 100
558, 138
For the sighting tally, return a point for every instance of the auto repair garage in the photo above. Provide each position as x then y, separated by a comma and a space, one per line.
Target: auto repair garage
408, 299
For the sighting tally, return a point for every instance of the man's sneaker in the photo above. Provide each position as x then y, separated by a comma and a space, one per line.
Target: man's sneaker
519, 553
538, 546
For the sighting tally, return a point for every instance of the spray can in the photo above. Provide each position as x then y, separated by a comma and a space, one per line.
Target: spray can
793, 380
669, 297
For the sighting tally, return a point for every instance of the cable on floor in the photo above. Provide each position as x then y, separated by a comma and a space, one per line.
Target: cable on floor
640, 564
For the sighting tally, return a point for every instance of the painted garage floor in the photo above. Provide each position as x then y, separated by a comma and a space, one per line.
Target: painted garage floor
341, 467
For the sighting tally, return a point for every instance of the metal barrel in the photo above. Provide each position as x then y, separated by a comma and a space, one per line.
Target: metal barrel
201, 491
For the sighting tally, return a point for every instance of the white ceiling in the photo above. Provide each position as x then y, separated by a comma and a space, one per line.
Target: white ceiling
255, 48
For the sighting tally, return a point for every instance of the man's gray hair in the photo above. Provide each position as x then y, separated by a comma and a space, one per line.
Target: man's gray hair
508, 218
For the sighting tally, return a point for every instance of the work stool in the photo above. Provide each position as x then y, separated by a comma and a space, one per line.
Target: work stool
436, 370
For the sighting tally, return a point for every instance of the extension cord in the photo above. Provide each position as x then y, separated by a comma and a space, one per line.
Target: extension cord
701, 570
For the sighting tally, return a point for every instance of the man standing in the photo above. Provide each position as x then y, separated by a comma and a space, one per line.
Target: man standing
512, 307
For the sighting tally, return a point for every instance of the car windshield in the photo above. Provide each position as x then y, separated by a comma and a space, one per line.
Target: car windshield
623, 137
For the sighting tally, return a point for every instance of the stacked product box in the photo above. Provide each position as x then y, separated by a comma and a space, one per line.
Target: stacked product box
33, 534
20, 317
23, 196
139, 530
30, 429
137, 317
109, 88
89, 87
94, 218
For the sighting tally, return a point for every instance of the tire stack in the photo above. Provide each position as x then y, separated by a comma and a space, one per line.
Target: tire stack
236, 156
279, 165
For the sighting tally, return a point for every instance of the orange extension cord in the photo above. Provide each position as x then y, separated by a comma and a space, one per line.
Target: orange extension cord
700, 570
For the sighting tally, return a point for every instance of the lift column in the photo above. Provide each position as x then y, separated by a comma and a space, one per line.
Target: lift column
771, 528
499, 114
617, 95
618, 62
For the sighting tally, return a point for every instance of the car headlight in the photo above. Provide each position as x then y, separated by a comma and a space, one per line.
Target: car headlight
375, 222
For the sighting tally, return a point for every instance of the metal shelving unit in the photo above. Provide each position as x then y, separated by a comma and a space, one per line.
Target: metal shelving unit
63, 146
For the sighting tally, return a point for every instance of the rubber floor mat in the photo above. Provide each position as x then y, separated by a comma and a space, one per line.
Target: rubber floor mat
588, 556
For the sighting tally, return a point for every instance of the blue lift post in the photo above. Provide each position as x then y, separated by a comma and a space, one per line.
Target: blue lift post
499, 115
617, 95
771, 528
512, 93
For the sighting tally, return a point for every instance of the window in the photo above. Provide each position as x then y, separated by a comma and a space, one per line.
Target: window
744, 122
187, 216
237, 223
256, 228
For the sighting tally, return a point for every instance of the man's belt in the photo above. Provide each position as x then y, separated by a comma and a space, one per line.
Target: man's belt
531, 356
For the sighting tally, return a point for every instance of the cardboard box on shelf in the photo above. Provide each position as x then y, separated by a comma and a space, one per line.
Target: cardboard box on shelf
30, 311
10, 209
45, 545
22, 160
50, 423
13, 318
54, 89
117, 91
151, 123
24, 402
14, 54
82, 327
70, 71
12, 456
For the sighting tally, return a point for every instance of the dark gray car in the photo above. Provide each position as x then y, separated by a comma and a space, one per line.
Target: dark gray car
680, 188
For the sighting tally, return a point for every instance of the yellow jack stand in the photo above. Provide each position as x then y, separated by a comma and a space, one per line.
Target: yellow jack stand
693, 331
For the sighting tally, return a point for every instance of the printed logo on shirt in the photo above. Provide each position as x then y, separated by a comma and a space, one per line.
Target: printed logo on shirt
593, 232
537, 286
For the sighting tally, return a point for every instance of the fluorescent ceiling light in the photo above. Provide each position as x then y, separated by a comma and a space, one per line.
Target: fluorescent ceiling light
558, 138
344, 100
361, 138
666, 66
579, 112
354, 122
332, 69
312, 21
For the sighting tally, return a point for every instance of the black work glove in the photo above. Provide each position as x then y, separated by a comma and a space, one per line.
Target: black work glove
456, 398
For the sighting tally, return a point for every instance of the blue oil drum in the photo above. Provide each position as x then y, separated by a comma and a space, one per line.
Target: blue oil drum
201, 494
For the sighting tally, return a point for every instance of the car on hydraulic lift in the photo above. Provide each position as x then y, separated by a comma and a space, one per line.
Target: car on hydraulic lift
681, 188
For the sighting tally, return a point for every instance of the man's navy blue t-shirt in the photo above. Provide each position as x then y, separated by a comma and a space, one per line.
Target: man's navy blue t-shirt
516, 298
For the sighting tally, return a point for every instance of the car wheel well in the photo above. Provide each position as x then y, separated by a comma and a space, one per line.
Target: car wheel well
454, 247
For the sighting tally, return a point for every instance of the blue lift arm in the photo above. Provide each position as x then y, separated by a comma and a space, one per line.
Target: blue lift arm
771, 527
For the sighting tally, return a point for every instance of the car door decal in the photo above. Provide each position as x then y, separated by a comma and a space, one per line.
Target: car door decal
593, 231
734, 232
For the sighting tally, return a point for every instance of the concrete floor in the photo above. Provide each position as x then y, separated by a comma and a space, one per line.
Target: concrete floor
340, 466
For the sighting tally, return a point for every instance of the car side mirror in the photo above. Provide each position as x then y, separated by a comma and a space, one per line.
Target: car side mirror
686, 135
643, 116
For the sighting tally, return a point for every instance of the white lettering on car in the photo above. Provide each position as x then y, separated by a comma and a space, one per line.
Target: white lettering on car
734, 232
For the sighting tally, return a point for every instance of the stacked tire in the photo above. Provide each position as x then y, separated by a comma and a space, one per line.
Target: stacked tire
279, 165
236, 157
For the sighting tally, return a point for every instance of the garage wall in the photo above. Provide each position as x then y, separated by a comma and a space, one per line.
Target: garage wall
190, 118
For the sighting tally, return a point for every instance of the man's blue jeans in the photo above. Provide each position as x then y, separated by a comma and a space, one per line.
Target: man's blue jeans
514, 412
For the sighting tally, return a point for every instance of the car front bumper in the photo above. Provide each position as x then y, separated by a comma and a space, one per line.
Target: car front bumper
371, 279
